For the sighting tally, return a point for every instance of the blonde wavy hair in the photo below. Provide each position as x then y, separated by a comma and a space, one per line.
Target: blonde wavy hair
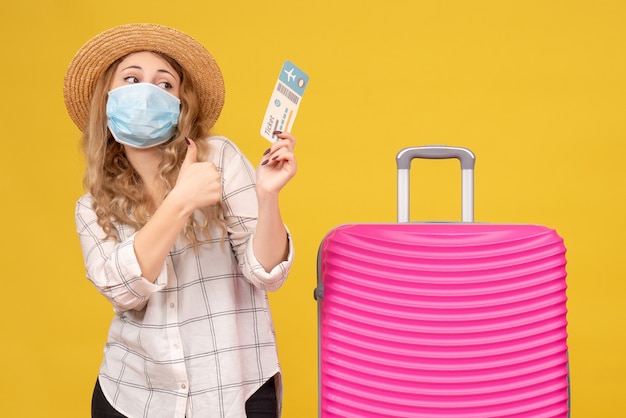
119, 195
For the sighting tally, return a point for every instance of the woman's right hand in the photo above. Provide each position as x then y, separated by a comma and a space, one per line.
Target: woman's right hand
198, 184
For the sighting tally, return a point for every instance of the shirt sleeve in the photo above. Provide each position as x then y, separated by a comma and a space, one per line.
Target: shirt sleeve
241, 212
274, 279
112, 266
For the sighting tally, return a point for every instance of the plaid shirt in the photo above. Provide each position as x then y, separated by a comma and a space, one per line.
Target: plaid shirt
199, 340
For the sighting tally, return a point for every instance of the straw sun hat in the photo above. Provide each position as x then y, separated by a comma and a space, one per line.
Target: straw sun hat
101, 51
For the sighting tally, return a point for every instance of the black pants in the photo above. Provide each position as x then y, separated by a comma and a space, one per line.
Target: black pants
262, 403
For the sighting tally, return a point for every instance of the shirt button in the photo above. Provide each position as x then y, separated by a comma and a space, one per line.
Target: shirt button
172, 305
184, 386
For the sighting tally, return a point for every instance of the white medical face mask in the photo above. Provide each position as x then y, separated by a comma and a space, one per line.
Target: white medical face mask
142, 115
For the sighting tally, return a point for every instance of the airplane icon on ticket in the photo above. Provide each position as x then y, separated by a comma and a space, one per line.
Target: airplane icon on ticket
290, 75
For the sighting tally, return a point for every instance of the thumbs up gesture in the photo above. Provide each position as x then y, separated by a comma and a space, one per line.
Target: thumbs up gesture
199, 183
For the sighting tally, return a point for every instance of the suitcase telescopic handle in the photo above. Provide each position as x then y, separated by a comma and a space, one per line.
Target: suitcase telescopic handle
464, 155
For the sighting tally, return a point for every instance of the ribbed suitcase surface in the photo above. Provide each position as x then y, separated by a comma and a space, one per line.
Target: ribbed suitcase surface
443, 320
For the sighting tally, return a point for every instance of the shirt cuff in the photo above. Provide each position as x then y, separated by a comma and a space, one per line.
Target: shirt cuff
135, 289
273, 279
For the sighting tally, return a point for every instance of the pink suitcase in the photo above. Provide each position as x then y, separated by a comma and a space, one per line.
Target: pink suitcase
442, 319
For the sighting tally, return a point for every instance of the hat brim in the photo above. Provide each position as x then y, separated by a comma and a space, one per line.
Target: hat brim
93, 58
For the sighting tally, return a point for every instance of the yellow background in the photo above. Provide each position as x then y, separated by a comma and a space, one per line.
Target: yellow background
535, 88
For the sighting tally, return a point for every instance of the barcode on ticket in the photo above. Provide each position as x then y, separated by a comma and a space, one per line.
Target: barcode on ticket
288, 93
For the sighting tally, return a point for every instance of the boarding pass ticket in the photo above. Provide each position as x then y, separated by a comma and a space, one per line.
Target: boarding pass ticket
283, 105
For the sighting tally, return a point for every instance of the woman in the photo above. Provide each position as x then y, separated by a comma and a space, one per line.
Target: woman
178, 230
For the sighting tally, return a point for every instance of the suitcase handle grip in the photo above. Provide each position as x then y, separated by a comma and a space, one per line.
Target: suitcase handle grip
465, 157
436, 152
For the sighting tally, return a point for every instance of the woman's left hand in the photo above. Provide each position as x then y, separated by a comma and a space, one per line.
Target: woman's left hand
278, 165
